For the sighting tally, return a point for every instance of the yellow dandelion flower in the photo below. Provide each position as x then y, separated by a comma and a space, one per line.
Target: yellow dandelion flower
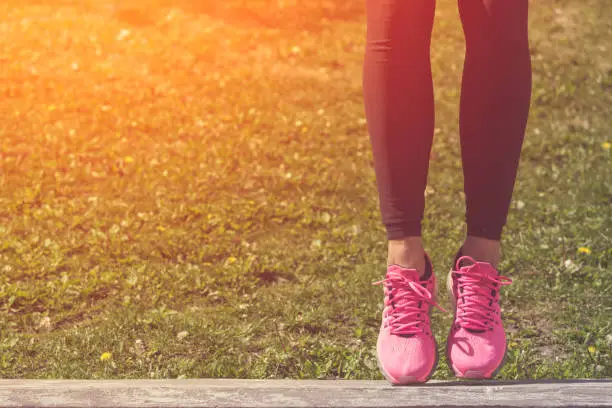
605, 145
161, 228
592, 349
106, 356
584, 250
231, 259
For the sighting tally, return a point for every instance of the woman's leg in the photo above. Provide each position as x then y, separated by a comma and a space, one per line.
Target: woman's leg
399, 106
495, 96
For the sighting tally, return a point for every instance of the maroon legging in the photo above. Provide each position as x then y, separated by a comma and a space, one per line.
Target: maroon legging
399, 107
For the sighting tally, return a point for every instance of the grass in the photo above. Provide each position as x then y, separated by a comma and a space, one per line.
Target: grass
189, 189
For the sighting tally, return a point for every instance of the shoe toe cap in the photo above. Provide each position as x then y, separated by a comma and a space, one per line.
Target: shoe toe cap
406, 359
476, 355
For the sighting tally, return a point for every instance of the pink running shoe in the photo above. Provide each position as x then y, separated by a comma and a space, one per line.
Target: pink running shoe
406, 348
476, 344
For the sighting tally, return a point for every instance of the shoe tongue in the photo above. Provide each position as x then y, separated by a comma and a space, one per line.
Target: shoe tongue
484, 268
481, 268
410, 274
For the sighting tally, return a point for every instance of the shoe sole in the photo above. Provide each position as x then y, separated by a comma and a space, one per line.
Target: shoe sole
408, 380
474, 375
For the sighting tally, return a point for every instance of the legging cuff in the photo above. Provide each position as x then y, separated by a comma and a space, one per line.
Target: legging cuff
407, 229
490, 231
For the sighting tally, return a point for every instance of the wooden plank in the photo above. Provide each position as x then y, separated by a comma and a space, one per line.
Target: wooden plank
246, 393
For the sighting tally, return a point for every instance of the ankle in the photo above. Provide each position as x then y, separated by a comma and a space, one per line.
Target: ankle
482, 250
408, 253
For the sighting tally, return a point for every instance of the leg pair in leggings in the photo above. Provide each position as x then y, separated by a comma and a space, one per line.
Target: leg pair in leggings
399, 107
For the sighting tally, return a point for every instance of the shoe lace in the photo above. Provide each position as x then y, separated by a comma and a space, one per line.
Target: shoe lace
476, 302
409, 304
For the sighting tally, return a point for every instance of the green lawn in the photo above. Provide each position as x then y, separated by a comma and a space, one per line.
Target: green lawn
191, 190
